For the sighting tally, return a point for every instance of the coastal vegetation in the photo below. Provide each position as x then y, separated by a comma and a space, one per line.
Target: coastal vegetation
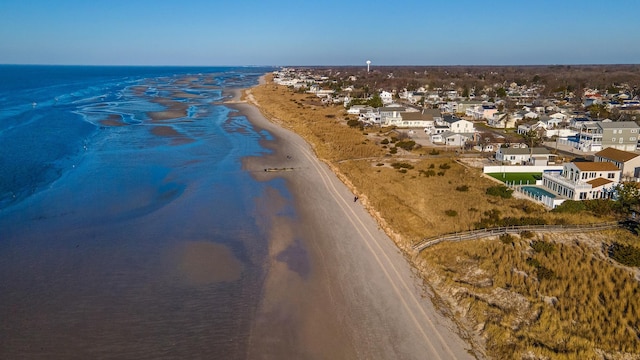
553, 296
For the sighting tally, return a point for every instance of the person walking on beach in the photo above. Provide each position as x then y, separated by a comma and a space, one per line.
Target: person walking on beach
355, 199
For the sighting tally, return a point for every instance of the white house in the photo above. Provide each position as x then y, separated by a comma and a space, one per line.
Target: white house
390, 114
536, 155
425, 119
451, 139
458, 125
583, 180
387, 97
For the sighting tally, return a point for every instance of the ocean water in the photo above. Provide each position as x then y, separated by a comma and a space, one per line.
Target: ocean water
127, 224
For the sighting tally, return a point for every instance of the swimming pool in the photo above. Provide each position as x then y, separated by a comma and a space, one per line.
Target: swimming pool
535, 191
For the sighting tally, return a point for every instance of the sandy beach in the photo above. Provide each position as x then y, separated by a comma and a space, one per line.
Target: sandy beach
336, 286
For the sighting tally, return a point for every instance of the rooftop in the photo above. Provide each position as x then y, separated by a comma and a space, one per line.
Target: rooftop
616, 155
595, 166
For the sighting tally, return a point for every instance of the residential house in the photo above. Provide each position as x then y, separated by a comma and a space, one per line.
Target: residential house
386, 97
479, 112
390, 114
461, 107
502, 121
536, 126
425, 119
622, 135
627, 162
583, 180
458, 125
531, 156
449, 138
359, 109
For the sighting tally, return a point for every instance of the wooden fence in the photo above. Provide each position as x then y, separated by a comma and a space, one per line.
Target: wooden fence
482, 233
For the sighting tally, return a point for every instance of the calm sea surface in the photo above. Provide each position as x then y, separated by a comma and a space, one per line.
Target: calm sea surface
127, 225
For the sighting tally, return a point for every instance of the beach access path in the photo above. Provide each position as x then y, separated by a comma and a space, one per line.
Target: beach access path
359, 296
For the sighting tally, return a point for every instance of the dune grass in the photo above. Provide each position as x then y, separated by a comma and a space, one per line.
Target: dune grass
571, 302
575, 301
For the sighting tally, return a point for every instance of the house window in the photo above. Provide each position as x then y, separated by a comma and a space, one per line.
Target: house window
632, 139
613, 139
584, 176
611, 175
583, 196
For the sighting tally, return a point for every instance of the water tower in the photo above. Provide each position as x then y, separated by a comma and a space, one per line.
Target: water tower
368, 63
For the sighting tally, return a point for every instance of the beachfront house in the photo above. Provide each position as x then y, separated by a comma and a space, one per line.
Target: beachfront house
424, 119
390, 114
525, 156
627, 162
583, 180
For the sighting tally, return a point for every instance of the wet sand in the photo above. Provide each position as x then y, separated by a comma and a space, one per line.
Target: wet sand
337, 286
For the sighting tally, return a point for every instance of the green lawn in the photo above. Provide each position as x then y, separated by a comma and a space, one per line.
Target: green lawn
516, 177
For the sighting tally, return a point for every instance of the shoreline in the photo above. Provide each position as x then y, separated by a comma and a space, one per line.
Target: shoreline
358, 278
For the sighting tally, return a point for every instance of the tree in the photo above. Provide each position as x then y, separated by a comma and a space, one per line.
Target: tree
375, 101
598, 111
627, 196
532, 138
465, 91
501, 92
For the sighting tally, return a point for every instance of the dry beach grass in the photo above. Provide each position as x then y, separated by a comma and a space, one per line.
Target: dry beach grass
586, 307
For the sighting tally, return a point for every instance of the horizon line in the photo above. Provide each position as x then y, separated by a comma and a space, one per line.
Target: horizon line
321, 65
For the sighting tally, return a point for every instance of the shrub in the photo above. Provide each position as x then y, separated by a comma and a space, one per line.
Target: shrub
544, 273
380, 164
462, 188
404, 171
506, 239
384, 141
402, 166
330, 116
600, 206
427, 173
431, 166
500, 190
393, 150
353, 123
440, 173
570, 207
406, 144
445, 166
434, 152
533, 263
451, 213
540, 246
625, 254
526, 234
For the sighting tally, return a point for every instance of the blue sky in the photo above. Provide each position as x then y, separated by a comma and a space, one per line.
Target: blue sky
330, 32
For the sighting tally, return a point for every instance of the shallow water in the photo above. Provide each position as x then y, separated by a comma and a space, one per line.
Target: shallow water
127, 226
